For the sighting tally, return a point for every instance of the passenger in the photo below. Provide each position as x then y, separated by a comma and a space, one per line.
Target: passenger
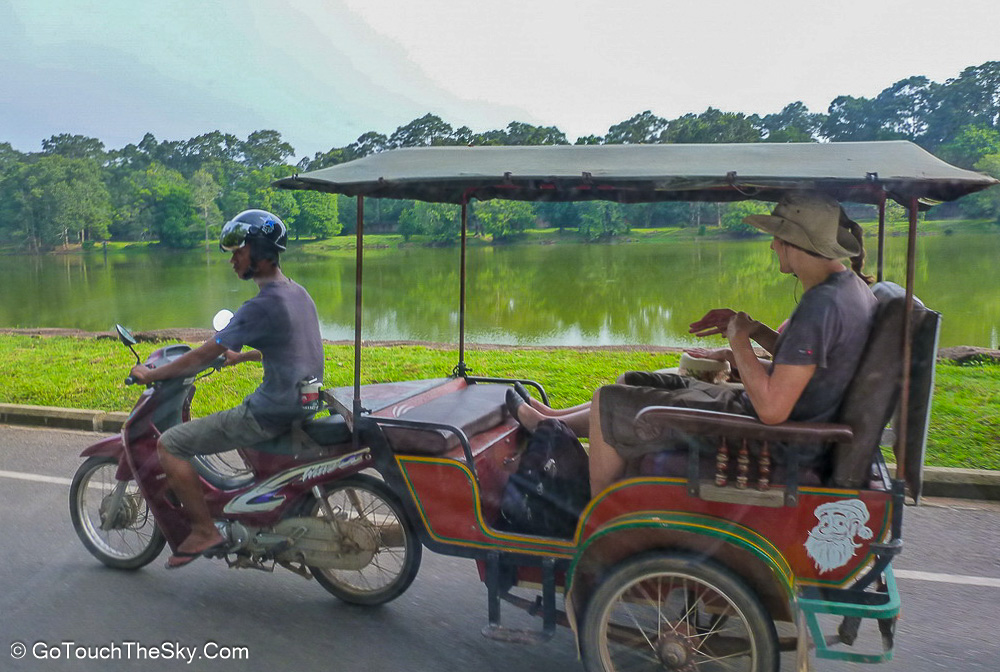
814, 358
281, 326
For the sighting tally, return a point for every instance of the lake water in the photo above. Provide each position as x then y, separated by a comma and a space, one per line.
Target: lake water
538, 294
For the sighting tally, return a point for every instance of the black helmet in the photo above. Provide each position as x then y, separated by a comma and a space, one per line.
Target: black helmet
257, 225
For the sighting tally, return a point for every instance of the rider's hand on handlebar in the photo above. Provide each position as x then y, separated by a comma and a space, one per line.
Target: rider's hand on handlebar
231, 358
141, 374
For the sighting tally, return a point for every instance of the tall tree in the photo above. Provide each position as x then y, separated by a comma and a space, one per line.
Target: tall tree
644, 127
972, 98
426, 131
795, 123
601, 219
520, 133
74, 147
167, 206
317, 216
440, 221
367, 143
969, 145
558, 214
265, 148
504, 219
902, 110
9, 158
711, 126
53, 201
850, 119
205, 190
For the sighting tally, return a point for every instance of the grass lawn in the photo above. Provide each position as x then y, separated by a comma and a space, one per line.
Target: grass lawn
88, 373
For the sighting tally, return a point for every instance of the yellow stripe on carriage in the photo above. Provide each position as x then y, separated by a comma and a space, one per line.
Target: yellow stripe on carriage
526, 543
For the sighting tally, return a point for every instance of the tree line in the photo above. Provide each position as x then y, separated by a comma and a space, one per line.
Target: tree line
75, 191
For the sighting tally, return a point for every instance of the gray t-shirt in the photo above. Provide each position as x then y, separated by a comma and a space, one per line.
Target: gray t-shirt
829, 328
281, 322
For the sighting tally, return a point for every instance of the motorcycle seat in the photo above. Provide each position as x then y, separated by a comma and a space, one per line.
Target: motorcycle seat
329, 430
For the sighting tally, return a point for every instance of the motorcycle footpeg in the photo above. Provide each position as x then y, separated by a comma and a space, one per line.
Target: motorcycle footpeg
219, 551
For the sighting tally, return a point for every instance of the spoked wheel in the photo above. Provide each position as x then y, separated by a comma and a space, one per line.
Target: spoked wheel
676, 613
396, 553
111, 517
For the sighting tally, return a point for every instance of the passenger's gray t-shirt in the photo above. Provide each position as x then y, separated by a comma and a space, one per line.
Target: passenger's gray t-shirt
281, 322
829, 328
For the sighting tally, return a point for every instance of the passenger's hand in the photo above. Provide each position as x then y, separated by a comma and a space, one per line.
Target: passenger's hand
740, 327
714, 322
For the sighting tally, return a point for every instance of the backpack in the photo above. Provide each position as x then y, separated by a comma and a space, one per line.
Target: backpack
551, 486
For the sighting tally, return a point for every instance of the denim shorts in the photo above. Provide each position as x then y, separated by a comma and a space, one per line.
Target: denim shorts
216, 433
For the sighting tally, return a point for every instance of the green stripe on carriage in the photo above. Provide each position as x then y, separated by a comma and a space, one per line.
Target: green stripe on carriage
699, 524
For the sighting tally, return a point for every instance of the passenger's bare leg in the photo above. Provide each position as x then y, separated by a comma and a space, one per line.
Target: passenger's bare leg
183, 480
558, 412
578, 420
606, 465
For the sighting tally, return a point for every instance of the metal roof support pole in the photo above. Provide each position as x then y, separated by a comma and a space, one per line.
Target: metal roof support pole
881, 237
904, 393
358, 276
461, 369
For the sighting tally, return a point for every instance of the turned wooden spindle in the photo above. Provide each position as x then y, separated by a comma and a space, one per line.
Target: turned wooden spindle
722, 464
742, 466
765, 468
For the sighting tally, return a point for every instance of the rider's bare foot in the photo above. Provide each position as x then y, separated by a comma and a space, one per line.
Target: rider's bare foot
194, 546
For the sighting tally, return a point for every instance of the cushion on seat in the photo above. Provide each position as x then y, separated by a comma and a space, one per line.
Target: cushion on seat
472, 409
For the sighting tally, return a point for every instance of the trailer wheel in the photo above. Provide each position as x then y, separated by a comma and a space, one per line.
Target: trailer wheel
671, 611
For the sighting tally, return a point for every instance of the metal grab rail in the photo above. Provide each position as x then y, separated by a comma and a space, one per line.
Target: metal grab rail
421, 425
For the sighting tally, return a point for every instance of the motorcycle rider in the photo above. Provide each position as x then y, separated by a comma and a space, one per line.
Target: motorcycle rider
281, 327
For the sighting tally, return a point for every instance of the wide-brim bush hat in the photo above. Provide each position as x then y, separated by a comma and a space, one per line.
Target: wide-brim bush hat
809, 220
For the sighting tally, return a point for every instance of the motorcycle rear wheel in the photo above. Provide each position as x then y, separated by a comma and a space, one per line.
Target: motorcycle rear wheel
367, 500
134, 540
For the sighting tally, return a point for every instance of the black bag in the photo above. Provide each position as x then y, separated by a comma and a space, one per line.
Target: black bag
551, 486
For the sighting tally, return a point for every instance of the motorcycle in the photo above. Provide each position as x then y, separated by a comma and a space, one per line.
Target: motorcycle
300, 501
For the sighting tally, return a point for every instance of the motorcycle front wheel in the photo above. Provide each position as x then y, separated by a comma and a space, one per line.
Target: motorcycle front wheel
368, 501
111, 517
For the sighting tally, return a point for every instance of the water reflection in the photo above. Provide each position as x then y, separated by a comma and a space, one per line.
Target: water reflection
540, 294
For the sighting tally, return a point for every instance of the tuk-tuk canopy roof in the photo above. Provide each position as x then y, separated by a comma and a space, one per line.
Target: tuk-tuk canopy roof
851, 171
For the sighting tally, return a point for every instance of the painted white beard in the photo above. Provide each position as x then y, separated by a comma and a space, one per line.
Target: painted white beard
829, 554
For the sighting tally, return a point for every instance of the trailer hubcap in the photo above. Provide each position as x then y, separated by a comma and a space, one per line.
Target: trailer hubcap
675, 651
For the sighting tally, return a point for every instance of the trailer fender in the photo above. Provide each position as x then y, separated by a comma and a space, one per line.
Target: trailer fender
747, 554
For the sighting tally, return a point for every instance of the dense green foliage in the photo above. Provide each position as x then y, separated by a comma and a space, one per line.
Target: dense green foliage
178, 192
80, 373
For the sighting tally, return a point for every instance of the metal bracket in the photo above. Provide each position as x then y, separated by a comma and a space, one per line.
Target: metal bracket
546, 604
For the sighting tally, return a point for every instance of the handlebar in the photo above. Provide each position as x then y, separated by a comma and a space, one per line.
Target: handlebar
215, 365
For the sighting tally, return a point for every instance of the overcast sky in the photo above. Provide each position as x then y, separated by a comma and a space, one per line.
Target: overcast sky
324, 71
